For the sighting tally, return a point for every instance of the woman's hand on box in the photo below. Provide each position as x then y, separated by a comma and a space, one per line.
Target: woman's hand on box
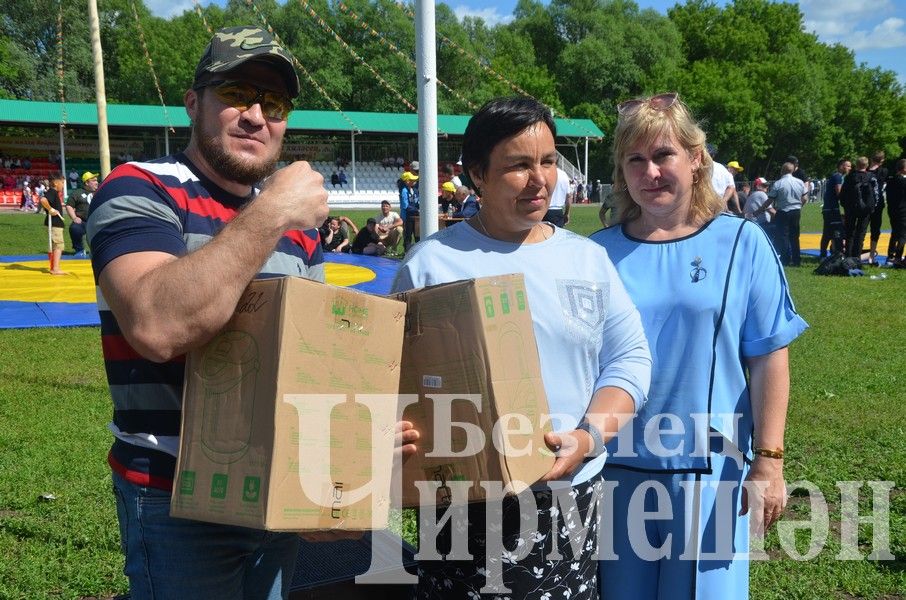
406, 436
570, 448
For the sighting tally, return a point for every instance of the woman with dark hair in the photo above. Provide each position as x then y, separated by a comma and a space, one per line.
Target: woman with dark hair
594, 359
718, 317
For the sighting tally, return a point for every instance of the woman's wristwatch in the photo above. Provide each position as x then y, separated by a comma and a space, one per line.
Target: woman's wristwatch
597, 448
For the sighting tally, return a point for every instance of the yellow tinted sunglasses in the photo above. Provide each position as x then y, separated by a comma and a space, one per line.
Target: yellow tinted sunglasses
242, 96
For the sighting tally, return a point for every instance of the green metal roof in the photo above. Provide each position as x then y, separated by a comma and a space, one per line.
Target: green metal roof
139, 115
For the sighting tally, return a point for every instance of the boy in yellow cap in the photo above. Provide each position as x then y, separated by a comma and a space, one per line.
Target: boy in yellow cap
446, 197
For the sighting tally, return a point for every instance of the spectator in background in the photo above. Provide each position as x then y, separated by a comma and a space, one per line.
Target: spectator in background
334, 178
787, 195
409, 207
342, 176
334, 238
595, 195
368, 241
77, 206
896, 210
73, 179
798, 173
877, 169
560, 199
468, 203
53, 207
446, 197
832, 232
389, 227
742, 194
449, 174
27, 203
859, 195
758, 209
723, 183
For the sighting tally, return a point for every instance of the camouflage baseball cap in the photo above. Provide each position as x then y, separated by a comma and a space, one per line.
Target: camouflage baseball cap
233, 46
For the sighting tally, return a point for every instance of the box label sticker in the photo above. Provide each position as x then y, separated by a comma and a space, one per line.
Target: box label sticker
432, 381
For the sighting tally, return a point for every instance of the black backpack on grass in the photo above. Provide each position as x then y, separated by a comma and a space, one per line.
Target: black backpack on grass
838, 264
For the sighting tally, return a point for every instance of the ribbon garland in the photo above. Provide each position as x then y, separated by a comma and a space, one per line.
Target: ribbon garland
384, 42
160, 94
463, 52
333, 103
204, 20
60, 82
311, 12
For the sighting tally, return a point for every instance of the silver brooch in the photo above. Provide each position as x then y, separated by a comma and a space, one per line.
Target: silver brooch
698, 272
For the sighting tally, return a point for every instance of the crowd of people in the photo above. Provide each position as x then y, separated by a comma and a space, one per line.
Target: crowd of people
853, 204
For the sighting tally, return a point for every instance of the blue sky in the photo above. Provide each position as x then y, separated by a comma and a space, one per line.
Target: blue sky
877, 34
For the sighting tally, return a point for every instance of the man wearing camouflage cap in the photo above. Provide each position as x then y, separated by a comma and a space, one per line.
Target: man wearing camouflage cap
175, 241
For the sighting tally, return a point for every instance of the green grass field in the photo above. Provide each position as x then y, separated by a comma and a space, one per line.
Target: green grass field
846, 423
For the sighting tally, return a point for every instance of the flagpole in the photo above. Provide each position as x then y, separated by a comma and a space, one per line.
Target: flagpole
426, 83
103, 140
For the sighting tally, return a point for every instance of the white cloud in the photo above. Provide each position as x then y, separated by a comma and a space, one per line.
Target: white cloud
849, 23
169, 8
489, 15
843, 11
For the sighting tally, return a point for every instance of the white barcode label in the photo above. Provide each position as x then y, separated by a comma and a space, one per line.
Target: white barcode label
432, 381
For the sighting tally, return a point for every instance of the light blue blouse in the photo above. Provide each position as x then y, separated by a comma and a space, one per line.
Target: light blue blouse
708, 301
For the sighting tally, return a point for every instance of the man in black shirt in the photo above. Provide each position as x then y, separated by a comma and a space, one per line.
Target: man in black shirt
896, 210
880, 174
368, 241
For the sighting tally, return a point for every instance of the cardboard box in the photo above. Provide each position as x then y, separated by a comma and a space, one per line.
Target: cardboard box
474, 338
257, 449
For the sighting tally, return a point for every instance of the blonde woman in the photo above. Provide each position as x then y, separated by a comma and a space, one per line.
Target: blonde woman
718, 317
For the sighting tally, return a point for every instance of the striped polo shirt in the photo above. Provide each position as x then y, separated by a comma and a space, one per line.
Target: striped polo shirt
165, 205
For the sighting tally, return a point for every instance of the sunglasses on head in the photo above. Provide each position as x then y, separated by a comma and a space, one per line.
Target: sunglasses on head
242, 96
659, 102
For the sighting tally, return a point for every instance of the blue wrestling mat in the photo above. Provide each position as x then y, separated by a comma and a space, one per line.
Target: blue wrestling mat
31, 297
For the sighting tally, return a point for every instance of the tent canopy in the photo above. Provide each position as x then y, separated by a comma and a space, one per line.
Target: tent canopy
27, 112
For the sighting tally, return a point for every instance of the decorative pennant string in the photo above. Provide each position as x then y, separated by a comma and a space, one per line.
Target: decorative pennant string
333, 103
387, 43
160, 94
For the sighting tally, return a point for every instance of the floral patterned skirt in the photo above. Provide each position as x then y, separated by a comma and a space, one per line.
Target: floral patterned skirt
549, 555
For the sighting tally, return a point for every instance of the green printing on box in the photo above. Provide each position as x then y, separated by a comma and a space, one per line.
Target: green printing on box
251, 489
489, 306
504, 303
187, 487
219, 482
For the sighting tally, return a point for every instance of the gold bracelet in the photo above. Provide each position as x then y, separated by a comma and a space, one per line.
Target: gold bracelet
767, 452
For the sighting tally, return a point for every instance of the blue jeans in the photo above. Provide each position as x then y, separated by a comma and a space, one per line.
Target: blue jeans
77, 234
179, 558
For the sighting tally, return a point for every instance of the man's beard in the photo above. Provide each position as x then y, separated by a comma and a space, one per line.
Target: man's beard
244, 171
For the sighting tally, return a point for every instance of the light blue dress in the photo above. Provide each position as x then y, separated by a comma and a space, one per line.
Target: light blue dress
708, 302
